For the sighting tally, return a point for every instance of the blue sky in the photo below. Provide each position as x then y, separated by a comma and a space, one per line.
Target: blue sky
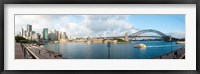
103, 25
163, 23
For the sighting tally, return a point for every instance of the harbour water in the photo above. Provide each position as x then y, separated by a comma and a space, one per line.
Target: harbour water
82, 50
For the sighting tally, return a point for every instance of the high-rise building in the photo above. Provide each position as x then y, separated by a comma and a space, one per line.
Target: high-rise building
45, 34
61, 36
33, 36
38, 37
52, 36
26, 34
29, 29
57, 35
23, 33
64, 34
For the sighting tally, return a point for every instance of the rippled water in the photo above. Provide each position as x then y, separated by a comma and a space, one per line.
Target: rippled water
79, 50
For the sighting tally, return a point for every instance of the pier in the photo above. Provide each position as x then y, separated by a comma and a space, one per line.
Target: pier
30, 51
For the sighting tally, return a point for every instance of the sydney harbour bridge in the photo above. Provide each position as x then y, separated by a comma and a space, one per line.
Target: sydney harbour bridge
132, 36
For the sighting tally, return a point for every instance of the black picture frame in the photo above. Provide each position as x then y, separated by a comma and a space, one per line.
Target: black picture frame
2, 2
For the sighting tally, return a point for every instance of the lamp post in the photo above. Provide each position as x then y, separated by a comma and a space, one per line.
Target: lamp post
58, 48
109, 45
171, 43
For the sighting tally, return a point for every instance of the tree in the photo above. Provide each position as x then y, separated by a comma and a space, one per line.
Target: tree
20, 39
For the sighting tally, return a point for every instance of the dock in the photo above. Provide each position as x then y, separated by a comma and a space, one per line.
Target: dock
30, 51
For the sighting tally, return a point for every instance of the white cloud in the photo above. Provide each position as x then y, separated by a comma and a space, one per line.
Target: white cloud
81, 25
89, 25
108, 25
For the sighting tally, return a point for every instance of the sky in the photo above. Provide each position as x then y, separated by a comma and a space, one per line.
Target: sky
103, 25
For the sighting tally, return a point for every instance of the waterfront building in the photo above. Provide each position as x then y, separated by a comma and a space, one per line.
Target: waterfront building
63, 35
52, 36
45, 34
34, 36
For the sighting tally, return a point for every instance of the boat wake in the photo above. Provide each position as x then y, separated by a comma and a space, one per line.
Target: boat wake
161, 46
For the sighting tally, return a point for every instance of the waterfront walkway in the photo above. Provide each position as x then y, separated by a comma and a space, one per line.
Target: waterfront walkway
19, 54
177, 54
38, 52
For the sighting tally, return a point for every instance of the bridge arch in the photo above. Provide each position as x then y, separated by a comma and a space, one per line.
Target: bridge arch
149, 30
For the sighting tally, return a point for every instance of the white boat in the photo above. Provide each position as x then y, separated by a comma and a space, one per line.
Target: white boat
180, 42
140, 46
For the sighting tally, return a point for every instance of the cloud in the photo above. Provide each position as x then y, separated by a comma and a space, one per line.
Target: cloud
108, 25
77, 25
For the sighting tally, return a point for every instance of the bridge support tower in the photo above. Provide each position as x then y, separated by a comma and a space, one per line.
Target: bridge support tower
126, 37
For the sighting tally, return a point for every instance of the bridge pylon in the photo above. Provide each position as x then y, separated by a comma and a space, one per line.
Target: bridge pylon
126, 38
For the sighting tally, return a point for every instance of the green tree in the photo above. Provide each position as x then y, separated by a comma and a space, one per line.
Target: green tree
20, 39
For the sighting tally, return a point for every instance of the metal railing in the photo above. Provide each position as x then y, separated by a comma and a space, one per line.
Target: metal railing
27, 53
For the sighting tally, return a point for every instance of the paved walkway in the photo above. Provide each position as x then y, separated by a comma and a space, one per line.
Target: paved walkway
43, 53
177, 54
40, 52
19, 54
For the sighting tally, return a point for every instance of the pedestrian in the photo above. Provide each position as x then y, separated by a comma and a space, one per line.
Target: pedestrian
175, 55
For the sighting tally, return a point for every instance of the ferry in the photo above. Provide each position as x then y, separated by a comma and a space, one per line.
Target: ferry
180, 42
140, 46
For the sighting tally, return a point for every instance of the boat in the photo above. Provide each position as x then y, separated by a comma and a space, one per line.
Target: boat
180, 42
142, 46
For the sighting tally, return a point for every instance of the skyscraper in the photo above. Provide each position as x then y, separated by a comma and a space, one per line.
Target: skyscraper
52, 36
33, 36
38, 37
45, 34
23, 33
57, 35
65, 35
61, 35
29, 29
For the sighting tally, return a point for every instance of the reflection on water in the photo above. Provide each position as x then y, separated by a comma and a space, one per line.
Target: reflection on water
75, 50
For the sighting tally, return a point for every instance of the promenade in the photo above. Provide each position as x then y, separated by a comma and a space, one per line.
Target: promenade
19, 54
177, 54
36, 51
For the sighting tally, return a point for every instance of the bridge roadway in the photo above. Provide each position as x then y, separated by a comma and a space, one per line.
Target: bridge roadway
129, 36
40, 53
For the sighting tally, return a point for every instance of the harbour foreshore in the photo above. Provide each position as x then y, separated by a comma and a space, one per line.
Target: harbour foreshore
36, 52
176, 54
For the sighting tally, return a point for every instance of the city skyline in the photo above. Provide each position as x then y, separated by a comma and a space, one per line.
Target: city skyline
102, 25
